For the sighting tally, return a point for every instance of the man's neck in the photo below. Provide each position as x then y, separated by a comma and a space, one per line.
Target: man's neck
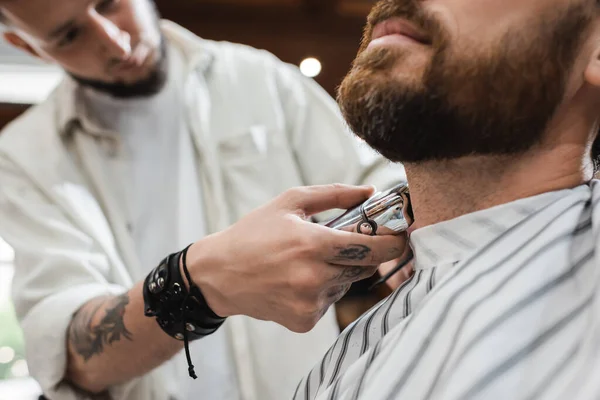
443, 190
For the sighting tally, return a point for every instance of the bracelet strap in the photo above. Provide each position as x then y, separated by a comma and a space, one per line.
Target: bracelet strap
212, 319
181, 313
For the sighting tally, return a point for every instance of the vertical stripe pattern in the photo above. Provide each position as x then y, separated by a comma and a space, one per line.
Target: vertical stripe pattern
504, 304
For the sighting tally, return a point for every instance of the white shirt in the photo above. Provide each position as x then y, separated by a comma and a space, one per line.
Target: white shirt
504, 304
162, 196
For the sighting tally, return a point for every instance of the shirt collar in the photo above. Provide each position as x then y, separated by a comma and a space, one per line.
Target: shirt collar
451, 241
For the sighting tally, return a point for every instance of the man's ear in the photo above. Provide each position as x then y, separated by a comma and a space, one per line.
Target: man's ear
592, 71
17, 41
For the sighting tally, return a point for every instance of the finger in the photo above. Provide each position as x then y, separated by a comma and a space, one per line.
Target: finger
315, 199
345, 248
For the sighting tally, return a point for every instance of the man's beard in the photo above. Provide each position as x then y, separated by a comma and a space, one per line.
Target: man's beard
145, 87
497, 101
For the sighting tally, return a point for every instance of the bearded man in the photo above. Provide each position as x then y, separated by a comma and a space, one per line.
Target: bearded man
493, 108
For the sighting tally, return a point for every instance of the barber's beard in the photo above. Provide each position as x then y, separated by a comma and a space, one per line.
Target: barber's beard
145, 87
497, 99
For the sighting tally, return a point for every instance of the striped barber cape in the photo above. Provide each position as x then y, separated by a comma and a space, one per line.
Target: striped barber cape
504, 304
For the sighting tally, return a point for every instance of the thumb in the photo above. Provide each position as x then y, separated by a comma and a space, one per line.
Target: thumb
315, 199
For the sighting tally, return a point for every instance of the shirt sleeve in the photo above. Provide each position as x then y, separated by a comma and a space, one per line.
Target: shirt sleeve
58, 268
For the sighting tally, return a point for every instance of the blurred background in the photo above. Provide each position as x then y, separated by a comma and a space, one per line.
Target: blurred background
320, 36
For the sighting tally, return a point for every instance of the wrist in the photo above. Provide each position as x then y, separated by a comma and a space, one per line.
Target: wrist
179, 307
205, 264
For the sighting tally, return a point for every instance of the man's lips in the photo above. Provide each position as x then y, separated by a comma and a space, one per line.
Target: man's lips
401, 27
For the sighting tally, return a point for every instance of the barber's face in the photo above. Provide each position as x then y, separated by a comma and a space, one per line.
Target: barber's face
114, 45
441, 79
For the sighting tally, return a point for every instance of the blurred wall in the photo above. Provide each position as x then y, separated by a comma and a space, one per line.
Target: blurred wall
291, 29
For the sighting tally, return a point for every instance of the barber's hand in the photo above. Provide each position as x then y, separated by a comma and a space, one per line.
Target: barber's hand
275, 265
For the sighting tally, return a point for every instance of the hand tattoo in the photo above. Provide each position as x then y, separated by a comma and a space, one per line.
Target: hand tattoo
395, 251
89, 340
351, 272
338, 292
352, 253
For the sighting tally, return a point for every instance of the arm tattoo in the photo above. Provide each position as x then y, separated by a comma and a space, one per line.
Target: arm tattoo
352, 253
88, 339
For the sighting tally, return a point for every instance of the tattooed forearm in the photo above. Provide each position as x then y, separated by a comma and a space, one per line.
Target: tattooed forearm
88, 339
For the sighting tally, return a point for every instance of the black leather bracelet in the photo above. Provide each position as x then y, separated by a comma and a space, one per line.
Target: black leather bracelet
182, 314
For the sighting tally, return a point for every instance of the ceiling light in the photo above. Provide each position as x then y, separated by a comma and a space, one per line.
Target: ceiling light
310, 67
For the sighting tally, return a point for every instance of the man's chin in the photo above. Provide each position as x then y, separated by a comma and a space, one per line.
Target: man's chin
146, 87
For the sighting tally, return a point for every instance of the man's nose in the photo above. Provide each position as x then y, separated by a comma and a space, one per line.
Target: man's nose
113, 42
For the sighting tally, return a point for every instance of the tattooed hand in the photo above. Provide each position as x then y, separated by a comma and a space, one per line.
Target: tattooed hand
276, 265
